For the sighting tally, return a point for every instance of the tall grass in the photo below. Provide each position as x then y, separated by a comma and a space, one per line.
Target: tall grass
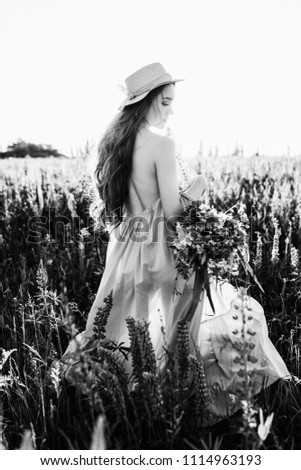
49, 283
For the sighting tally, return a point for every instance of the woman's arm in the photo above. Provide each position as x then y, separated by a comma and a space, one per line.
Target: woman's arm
166, 171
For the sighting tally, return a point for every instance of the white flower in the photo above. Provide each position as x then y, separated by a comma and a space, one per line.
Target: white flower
264, 427
84, 232
294, 257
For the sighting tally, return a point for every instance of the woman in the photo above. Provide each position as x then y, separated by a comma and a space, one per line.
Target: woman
137, 180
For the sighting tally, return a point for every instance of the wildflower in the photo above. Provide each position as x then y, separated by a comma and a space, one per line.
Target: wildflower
264, 426
183, 349
294, 257
258, 258
288, 238
275, 249
84, 232
101, 317
55, 377
200, 384
249, 413
42, 277
71, 204
143, 355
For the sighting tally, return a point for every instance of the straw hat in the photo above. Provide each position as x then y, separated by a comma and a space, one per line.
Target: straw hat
144, 80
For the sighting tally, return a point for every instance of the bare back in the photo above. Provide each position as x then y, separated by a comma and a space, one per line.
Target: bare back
143, 174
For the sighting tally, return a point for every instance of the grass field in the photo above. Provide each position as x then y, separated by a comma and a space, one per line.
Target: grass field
52, 262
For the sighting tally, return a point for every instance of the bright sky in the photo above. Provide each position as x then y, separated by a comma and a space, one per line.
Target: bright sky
61, 62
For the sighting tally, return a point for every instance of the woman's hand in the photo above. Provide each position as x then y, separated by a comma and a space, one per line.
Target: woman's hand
197, 188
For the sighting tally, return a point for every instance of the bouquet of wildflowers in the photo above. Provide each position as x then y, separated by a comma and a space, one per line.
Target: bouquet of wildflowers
210, 243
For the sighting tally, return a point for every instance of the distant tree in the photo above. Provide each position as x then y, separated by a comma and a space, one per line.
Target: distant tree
238, 151
235, 152
21, 149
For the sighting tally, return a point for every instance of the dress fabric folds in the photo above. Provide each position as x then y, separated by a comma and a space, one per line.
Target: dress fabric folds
140, 268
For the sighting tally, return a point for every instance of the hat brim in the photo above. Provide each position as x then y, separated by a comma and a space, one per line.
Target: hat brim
128, 102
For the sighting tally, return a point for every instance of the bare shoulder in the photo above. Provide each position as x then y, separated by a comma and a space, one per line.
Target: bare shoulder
162, 141
163, 148
152, 142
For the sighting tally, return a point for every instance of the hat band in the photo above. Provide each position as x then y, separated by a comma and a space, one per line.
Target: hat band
166, 77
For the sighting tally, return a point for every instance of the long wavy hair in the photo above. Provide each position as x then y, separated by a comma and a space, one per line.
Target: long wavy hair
115, 158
